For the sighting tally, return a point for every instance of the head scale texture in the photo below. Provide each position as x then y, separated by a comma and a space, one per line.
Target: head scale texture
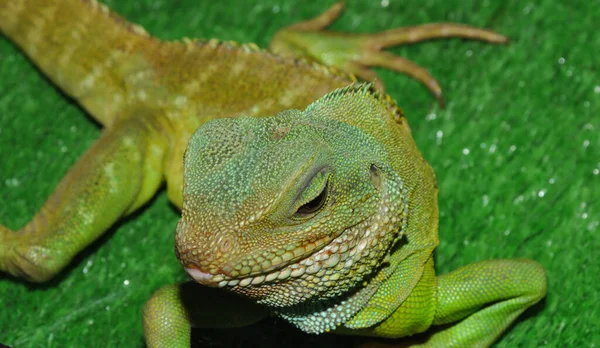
299, 210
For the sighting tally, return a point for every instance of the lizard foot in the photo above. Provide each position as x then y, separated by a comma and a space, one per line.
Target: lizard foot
23, 261
357, 53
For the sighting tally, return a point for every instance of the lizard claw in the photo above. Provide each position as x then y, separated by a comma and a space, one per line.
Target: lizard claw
357, 53
322, 21
396, 63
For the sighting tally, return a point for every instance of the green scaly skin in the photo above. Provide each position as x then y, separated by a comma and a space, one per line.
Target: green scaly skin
326, 217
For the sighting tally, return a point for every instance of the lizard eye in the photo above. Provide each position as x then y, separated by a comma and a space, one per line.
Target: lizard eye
314, 197
312, 206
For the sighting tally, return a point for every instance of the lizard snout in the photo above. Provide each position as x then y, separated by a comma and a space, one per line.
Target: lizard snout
203, 255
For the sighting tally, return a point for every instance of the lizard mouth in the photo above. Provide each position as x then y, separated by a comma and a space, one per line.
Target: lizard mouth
336, 255
305, 259
200, 276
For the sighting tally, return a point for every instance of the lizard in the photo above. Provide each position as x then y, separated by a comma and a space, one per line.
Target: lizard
361, 221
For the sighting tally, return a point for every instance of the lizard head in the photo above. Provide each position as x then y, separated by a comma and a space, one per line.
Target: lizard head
296, 207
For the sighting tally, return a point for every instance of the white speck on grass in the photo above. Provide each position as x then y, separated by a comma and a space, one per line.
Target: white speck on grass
91, 322
107, 308
512, 148
466, 242
549, 243
596, 171
385, 3
466, 151
597, 89
126, 282
430, 117
469, 53
561, 60
12, 182
492, 148
519, 199
584, 216
86, 269
507, 232
542, 193
586, 144
485, 200
276, 9
64, 149
562, 325
551, 181
439, 135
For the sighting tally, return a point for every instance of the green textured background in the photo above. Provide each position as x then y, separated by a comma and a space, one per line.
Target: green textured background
516, 152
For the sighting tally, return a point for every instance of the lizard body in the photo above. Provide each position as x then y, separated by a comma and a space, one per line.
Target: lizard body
124, 72
366, 268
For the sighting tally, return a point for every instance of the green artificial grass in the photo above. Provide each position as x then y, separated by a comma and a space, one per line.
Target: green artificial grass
516, 152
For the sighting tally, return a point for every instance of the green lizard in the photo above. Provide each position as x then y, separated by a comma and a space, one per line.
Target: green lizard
327, 217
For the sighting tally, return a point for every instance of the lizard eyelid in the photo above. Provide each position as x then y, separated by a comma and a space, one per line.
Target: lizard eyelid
314, 205
313, 196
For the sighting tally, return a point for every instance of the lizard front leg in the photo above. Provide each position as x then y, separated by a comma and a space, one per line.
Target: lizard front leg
173, 310
120, 172
478, 302
356, 53
469, 307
